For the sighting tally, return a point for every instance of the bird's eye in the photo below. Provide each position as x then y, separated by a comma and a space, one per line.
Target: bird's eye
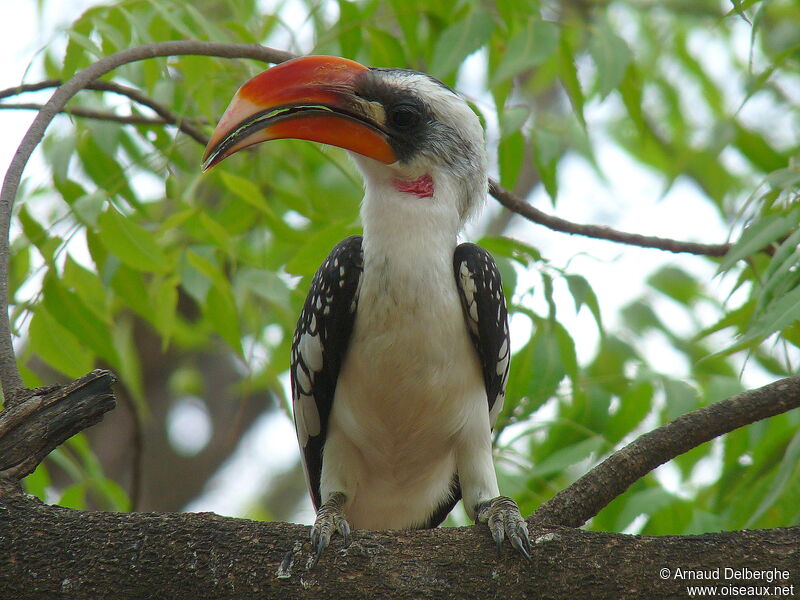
404, 116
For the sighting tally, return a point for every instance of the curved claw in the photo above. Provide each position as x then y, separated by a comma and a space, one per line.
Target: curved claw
330, 518
502, 516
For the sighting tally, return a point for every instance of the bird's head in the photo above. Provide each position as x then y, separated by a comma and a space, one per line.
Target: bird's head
405, 129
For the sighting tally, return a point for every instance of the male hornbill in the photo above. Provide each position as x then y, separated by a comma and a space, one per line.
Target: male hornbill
400, 357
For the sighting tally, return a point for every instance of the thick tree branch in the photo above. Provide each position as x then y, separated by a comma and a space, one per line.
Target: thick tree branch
9, 374
586, 497
53, 552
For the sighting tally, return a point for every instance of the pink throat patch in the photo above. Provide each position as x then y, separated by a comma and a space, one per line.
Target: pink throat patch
421, 187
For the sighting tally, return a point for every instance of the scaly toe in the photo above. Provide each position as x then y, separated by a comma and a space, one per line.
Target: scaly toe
502, 516
330, 518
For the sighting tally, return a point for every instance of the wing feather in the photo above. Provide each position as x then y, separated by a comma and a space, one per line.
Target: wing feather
318, 349
484, 304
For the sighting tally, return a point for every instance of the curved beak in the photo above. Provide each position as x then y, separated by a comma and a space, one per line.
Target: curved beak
308, 98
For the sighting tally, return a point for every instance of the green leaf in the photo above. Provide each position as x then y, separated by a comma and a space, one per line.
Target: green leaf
760, 234
583, 294
758, 150
788, 470
104, 170
675, 283
513, 119
634, 406
128, 284
164, 300
681, 398
78, 46
86, 283
521, 252
220, 305
249, 192
350, 27
221, 311
115, 496
568, 74
779, 314
38, 483
529, 47
541, 356
611, 56
559, 460
782, 274
131, 243
459, 41
38, 235
218, 234
510, 157
547, 151
385, 48
74, 496
266, 285
75, 315
57, 346
318, 245
646, 502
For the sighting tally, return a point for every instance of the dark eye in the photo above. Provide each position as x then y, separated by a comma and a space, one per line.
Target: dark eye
404, 116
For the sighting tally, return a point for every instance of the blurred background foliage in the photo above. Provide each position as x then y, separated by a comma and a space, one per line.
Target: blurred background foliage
188, 285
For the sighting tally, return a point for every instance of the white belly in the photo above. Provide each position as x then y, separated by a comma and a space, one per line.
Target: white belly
409, 384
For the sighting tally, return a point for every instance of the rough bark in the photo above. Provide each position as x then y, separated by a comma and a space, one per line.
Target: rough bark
34, 425
53, 552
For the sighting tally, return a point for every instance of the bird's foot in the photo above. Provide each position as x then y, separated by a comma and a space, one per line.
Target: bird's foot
503, 517
330, 518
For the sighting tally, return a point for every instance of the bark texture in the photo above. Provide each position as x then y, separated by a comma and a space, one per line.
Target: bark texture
53, 552
35, 423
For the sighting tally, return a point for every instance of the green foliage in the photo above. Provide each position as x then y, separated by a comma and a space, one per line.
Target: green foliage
131, 232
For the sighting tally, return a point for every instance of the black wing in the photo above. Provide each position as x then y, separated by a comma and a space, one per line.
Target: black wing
484, 304
318, 349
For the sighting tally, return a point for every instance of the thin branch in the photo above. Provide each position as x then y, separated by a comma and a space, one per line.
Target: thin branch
585, 498
9, 374
519, 206
89, 113
116, 88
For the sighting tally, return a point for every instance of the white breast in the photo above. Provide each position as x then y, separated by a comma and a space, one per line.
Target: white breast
410, 382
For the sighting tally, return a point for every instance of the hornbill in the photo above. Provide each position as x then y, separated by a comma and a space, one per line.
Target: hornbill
400, 357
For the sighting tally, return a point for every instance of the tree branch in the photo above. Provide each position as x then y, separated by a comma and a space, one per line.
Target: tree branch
89, 113
53, 552
32, 427
50, 552
123, 90
9, 374
586, 497
519, 206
